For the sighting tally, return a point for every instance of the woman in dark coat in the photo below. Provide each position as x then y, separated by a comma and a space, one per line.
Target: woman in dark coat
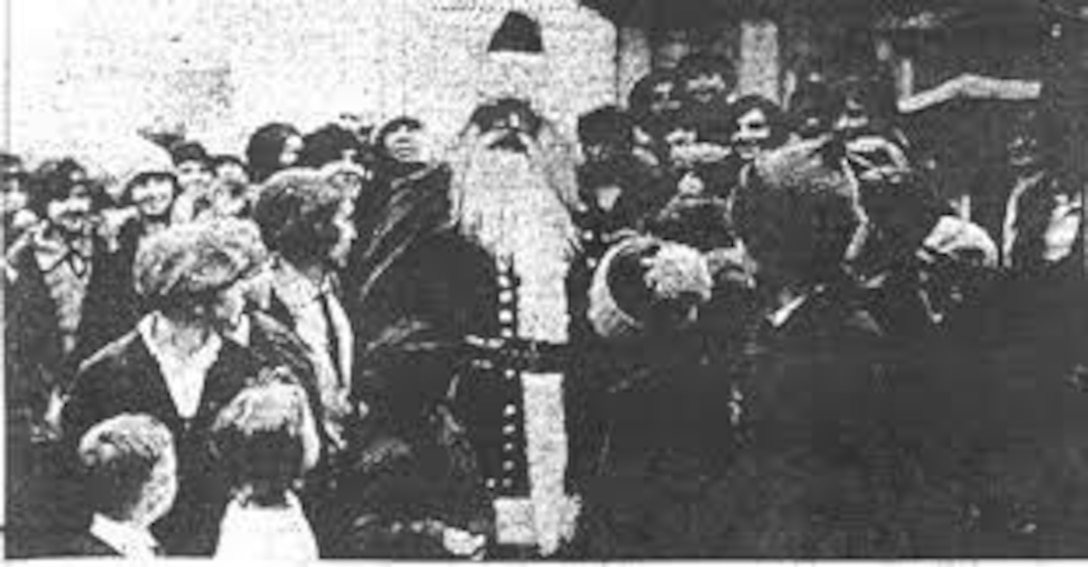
178, 367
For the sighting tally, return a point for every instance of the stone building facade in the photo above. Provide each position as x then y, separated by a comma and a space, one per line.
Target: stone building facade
86, 72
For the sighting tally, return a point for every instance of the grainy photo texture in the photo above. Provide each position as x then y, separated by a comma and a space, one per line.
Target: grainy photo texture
290, 280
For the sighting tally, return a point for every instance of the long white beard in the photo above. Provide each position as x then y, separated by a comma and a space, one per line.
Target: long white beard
508, 208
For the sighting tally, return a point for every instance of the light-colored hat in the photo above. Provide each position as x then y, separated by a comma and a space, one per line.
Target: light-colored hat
194, 259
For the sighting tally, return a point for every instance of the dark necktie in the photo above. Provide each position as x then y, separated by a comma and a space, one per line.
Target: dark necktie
331, 337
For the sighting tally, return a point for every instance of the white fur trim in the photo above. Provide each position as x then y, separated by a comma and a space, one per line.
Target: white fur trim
514, 521
549, 516
604, 313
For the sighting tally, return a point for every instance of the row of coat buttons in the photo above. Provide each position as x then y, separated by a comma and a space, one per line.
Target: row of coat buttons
509, 429
506, 301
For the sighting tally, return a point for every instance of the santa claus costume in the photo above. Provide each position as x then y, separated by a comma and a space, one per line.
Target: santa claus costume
466, 330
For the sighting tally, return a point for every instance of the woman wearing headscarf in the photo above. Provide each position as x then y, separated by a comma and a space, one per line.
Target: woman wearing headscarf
178, 366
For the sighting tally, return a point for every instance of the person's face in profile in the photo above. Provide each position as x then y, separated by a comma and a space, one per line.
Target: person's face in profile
229, 306
345, 230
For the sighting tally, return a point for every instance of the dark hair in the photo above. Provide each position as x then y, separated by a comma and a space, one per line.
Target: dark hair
703, 63
393, 125
796, 203
776, 119
54, 180
11, 167
642, 94
259, 436
711, 122
488, 116
190, 151
813, 99
145, 177
119, 456
328, 144
10, 160
264, 149
701, 222
294, 212
875, 93
224, 159
606, 124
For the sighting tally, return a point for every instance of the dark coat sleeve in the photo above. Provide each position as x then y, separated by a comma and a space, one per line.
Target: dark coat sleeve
275, 345
34, 361
412, 324
110, 307
99, 389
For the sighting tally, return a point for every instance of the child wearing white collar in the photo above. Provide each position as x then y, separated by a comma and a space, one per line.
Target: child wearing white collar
261, 438
131, 466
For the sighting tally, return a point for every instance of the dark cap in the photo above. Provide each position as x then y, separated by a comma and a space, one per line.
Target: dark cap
518, 33
190, 151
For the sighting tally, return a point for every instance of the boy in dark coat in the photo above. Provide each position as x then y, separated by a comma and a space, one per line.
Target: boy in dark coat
132, 471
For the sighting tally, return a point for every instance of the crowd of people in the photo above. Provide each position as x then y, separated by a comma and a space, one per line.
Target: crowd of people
709, 326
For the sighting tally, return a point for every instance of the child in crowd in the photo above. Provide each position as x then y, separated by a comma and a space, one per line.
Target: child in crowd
132, 470
260, 438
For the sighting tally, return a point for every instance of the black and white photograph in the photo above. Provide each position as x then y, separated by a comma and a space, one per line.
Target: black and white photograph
520, 280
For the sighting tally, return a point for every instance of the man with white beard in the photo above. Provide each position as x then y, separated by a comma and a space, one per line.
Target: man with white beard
465, 324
